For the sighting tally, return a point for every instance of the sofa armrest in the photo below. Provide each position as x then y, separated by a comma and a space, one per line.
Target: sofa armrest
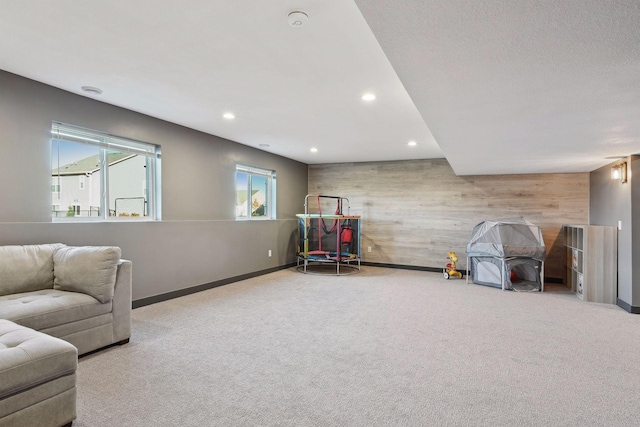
122, 302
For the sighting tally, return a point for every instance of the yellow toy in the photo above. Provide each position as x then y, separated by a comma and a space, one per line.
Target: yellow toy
450, 270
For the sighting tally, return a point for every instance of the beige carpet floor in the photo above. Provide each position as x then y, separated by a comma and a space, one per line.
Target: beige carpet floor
381, 348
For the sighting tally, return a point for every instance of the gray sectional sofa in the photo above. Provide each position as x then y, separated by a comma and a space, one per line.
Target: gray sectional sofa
53, 295
80, 294
37, 378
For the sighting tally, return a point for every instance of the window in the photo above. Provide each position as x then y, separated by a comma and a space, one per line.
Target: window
55, 184
98, 175
255, 193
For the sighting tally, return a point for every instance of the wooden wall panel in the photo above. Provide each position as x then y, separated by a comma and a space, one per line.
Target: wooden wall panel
414, 212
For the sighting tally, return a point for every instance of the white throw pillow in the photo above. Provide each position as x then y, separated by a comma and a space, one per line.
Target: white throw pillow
87, 269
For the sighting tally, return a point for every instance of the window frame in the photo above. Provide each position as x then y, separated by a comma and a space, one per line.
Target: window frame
270, 197
106, 143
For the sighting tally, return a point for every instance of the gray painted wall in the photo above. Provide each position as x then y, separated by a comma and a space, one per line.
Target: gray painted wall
610, 202
634, 179
198, 241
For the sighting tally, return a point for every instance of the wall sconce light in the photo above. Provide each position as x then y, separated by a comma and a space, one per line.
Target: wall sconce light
619, 172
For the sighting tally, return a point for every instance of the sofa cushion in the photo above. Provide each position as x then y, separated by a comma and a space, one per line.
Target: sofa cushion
26, 268
29, 358
50, 307
88, 269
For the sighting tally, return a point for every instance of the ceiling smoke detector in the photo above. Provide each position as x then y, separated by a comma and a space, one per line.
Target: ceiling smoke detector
297, 18
92, 90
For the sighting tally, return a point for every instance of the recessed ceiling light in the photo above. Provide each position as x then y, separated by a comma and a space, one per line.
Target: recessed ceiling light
92, 90
412, 143
368, 97
229, 116
264, 145
314, 150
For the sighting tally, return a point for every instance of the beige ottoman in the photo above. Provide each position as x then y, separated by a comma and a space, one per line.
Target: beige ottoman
37, 378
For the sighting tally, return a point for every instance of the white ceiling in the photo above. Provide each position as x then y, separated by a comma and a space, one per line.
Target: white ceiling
517, 86
505, 86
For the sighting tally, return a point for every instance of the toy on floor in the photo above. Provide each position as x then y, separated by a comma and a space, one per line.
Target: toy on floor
450, 269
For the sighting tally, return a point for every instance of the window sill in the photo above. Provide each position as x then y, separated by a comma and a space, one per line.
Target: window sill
93, 220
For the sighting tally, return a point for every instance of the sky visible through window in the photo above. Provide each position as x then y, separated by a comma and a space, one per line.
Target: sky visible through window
241, 181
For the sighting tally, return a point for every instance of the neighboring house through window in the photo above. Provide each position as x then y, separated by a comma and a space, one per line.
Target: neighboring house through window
98, 175
255, 193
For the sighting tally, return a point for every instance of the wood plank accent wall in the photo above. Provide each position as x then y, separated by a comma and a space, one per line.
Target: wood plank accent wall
416, 211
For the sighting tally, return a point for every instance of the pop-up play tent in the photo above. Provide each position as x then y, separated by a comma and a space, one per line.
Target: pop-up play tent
507, 254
